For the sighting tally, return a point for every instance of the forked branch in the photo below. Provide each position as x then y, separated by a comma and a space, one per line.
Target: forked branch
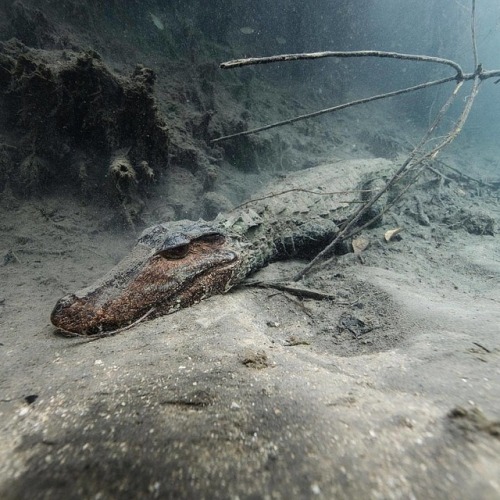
418, 156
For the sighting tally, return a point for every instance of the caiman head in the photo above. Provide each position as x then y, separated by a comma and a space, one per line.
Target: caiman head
172, 266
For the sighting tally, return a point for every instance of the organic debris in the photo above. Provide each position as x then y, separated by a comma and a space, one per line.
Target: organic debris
247, 30
360, 244
473, 421
389, 234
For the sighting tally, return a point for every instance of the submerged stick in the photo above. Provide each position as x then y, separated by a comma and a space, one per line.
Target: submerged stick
473, 33
300, 190
464, 175
294, 290
336, 108
236, 63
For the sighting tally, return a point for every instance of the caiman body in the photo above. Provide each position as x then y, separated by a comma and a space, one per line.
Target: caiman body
177, 264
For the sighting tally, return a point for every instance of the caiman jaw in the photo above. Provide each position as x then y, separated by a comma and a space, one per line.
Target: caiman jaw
168, 280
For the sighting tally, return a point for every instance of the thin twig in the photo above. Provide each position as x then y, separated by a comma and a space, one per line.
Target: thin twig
465, 176
460, 122
438, 173
301, 190
336, 108
484, 75
482, 347
294, 290
12, 255
473, 32
402, 192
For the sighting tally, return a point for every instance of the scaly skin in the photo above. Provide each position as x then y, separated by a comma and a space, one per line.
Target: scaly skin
177, 264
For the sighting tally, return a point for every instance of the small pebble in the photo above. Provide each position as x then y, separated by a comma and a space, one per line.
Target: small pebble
315, 489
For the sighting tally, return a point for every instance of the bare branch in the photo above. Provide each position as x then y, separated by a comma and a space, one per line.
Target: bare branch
236, 63
473, 32
464, 175
337, 108
301, 190
484, 75
294, 290
451, 136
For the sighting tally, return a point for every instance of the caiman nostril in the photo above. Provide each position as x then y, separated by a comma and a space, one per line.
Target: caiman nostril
62, 304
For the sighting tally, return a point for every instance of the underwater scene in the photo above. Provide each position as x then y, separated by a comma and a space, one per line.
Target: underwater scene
249, 249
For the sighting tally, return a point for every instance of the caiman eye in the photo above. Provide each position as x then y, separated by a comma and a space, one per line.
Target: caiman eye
174, 253
214, 238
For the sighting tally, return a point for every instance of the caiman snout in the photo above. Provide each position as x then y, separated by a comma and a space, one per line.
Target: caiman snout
161, 275
75, 315
61, 309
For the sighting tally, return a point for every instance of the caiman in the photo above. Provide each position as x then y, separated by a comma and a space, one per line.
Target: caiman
177, 264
